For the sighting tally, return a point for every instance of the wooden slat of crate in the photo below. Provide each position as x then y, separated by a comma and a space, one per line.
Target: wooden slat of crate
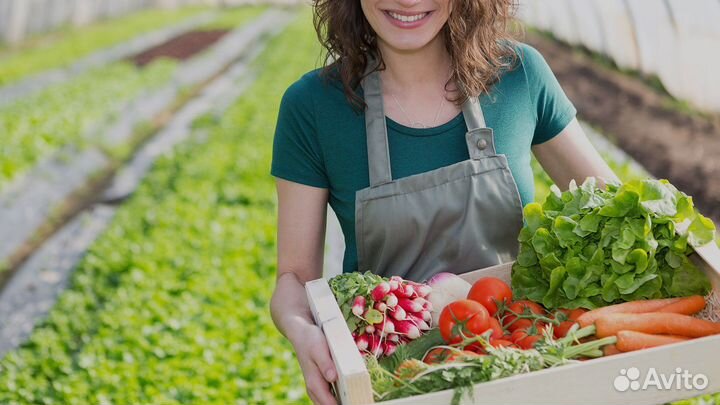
353, 385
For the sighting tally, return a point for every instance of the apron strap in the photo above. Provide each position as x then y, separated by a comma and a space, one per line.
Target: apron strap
479, 138
473, 114
376, 130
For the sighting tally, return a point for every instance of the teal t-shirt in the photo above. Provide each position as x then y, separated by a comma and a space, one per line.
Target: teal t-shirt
320, 139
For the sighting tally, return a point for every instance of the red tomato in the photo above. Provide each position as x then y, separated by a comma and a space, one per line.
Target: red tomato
466, 316
496, 328
518, 334
521, 338
529, 342
571, 317
519, 307
501, 343
489, 291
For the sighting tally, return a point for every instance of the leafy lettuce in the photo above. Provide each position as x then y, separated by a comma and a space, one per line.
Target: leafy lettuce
590, 247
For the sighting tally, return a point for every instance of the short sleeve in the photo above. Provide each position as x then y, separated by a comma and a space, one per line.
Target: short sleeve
297, 155
553, 109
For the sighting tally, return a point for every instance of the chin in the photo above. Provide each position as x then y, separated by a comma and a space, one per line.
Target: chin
408, 44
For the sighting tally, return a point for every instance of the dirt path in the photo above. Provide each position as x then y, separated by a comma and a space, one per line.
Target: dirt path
182, 47
669, 143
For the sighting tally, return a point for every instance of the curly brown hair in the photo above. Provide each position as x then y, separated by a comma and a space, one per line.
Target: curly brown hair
476, 36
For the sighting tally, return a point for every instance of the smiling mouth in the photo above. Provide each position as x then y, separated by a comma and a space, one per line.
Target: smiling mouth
407, 18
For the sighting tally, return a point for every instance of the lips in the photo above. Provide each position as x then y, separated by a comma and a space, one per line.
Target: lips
407, 18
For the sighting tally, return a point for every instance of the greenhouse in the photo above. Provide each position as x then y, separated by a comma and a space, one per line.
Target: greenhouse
281, 202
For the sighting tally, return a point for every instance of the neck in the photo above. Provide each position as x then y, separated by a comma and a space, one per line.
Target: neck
429, 66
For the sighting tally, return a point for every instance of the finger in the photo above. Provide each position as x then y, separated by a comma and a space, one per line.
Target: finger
323, 360
318, 388
312, 396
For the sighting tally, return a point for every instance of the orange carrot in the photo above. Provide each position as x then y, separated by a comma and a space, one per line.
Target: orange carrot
588, 318
655, 323
686, 306
609, 350
628, 340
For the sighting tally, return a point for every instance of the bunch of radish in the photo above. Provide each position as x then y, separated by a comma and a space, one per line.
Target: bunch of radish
383, 313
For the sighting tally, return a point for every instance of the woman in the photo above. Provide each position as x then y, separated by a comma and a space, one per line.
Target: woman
422, 176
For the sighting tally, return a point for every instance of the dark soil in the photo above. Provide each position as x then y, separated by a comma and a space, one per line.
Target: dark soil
181, 47
672, 144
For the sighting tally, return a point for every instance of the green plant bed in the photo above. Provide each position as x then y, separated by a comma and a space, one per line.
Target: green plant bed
170, 305
35, 127
63, 47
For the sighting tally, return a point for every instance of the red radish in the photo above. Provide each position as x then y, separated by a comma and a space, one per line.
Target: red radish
408, 329
358, 306
423, 325
419, 322
391, 300
393, 337
389, 348
362, 342
399, 314
427, 315
381, 306
405, 291
374, 344
370, 329
421, 301
410, 305
423, 290
395, 283
387, 326
380, 291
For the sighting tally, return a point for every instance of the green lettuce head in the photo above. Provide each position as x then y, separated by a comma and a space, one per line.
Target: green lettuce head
590, 247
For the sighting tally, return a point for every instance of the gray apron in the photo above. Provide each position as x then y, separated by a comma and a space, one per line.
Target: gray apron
454, 219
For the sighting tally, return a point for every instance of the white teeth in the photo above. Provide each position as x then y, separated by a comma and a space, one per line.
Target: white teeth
407, 18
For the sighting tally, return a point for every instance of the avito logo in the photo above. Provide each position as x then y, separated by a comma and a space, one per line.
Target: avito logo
631, 379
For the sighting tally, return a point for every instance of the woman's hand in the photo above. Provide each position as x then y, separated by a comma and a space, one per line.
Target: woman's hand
291, 313
316, 363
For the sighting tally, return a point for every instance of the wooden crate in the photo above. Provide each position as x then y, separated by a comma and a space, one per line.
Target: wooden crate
589, 382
